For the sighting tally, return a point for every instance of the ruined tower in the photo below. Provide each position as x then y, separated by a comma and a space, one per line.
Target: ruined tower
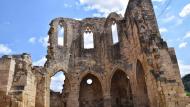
134, 69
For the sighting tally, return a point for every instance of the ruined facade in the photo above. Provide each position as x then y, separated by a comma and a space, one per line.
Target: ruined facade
139, 70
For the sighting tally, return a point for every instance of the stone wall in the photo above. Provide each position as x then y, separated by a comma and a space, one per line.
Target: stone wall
40, 86
139, 42
23, 90
18, 83
138, 71
7, 66
56, 99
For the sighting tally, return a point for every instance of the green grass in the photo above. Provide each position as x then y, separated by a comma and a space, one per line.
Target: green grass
188, 93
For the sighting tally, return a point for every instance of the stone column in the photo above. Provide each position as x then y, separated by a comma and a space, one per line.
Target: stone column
41, 92
107, 100
47, 92
73, 100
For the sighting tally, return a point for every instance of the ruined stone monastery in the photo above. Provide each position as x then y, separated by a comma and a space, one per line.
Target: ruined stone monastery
139, 70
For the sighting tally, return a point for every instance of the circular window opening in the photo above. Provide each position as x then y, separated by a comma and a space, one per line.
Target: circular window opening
89, 81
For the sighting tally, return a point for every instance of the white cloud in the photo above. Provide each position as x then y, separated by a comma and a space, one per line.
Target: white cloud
187, 35
163, 30
104, 7
57, 82
96, 15
184, 68
185, 11
44, 41
78, 18
40, 62
183, 45
4, 49
168, 18
172, 18
32, 40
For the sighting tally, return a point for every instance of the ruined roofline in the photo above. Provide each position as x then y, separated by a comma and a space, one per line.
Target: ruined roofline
14, 56
111, 15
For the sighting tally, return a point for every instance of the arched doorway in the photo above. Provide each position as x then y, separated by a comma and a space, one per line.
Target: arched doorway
59, 90
90, 94
141, 86
121, 95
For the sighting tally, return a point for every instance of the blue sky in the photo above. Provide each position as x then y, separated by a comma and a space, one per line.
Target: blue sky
24, 23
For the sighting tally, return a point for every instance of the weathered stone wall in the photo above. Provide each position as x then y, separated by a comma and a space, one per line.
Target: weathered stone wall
23, 90
40, 86
7, 70
141, 58
56, 99
139, 41
7, 66
19, 82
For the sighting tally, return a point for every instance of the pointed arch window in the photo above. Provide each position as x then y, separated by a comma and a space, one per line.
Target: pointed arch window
114, 33
60, 35
88, 39
57, 82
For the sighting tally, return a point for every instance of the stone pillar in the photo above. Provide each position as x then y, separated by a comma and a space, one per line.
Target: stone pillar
7, 66
47, 92
41, 92
107, 100
73, 100
46, 98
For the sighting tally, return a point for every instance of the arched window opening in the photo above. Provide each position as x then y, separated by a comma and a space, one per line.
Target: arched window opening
60, 35
59, 89
88, 39
57, 82
114, 33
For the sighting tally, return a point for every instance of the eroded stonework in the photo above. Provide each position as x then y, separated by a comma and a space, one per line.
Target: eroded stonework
138, 71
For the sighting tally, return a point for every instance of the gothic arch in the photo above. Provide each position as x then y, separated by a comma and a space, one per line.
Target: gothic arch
141, 85
89, 30
83, 74
53, 69
90, 25
112, 17
65, 91
63, 95
53, 33
121, 68
112, 27
121, 91
90, 94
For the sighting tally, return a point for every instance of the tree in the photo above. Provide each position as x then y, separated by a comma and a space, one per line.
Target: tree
186, 82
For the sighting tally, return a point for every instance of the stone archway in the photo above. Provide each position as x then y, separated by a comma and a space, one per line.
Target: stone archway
57, 98
141, 86
121, 94
90, 94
